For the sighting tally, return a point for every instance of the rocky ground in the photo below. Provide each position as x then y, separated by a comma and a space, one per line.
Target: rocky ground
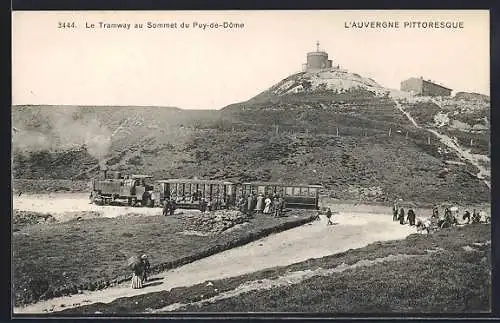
214, 222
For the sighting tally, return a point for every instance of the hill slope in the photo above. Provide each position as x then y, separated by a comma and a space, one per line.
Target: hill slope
341, 130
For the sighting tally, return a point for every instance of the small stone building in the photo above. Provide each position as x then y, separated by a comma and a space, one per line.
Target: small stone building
419, 86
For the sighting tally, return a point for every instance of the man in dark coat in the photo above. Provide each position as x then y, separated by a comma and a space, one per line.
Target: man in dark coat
394, 212
242, 204
250, 204
448, 220
166, 207
254, 202
203, 205
173, 207
281, 203
146, 267
411, 217
401, 217
276, 207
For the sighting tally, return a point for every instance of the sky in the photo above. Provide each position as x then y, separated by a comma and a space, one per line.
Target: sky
195, 68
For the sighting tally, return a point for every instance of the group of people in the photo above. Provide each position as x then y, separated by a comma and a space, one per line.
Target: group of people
274, 204
328, 214
169, 207
399, 215
436, 220
140, 271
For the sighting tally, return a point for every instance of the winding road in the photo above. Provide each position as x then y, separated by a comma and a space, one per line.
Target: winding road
463, 153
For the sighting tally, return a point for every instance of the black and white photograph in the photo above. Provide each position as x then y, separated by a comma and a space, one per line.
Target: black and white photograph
280, 161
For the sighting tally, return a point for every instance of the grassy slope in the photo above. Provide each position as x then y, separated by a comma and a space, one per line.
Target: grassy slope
241, 143
447, 281
86, 254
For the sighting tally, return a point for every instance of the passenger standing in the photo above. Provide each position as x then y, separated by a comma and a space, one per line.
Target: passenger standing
241, 204
173, 207
276, 207
267, 208
260, 203
401, 217
250, 204
281, 203
166, 207
203, 205
254, 202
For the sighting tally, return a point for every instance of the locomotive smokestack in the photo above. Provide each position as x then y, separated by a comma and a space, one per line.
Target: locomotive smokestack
104, 170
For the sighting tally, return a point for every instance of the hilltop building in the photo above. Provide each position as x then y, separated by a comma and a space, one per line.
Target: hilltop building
419, 86
317, 61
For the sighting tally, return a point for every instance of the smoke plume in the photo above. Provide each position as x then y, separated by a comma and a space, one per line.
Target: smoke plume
45, 129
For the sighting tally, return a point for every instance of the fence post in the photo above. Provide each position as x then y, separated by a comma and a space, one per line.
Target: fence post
471, 142
390, 129
407, 136
428, 140
337, 131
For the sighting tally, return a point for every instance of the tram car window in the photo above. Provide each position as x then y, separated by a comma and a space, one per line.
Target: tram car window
188, 192
296, 196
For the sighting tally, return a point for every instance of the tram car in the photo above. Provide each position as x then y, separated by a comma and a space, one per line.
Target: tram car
187, 193
295, 195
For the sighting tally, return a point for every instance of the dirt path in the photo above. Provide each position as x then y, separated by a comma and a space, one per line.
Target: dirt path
63, 206
461, 152
351, 230
294, 277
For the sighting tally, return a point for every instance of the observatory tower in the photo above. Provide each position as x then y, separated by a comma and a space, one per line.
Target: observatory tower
317, 61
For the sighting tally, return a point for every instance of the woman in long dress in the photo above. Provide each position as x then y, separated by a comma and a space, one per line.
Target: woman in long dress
137, 275
260, 203
267, 208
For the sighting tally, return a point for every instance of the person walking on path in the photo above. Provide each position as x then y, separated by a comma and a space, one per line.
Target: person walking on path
411, 217
137, 274
394, 212
329, 217
401, 217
